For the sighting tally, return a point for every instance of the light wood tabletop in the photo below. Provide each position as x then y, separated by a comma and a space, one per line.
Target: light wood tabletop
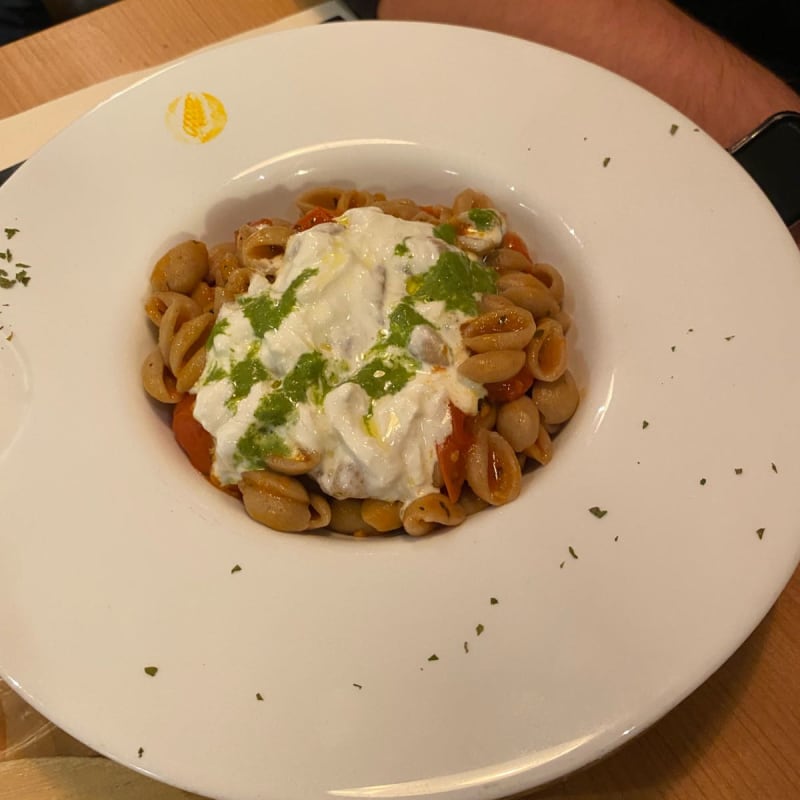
737, 736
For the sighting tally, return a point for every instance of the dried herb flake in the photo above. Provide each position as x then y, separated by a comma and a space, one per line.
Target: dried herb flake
673, 129
11, 232
572, 552
598, 512
479, 629
235, 568
606, 161
433, 657
493, 601
738, 470
151, 671
760, 533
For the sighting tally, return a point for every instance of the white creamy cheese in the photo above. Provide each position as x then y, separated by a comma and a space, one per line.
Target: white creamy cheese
340, 357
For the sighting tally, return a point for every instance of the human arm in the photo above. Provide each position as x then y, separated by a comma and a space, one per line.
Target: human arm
650, 42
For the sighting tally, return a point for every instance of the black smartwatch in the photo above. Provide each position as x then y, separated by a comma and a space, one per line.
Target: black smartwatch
771, 154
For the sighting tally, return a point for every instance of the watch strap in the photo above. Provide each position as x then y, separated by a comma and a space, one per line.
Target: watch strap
771, 154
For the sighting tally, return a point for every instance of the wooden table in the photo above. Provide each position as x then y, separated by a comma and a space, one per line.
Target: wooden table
737, 736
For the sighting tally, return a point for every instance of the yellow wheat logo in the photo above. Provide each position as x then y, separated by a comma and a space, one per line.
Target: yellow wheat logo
196, 118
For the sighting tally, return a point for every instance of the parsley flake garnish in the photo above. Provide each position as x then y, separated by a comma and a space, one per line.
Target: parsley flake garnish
11, 232
673, 129
738, 470
466, 647
479, 629
151, 671
760, 533
259, 697
140, 752
774, 468
672, 348
358, 686
493, 601
401, 249
572, 552
598, 512
561, 565
702, 481
645, 424
728, 338
616, 538
235, 568
433, 657
606, 161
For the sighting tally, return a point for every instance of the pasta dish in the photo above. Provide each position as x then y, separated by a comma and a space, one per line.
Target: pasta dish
375, 366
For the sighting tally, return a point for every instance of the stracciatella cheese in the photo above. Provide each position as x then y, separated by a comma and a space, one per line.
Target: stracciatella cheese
350, 354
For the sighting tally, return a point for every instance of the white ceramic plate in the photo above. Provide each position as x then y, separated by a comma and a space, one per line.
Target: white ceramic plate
116, 555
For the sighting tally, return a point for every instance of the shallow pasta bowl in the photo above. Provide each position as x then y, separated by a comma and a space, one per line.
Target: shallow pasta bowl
481, 662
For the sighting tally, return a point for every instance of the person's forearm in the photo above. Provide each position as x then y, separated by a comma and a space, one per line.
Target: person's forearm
651, 42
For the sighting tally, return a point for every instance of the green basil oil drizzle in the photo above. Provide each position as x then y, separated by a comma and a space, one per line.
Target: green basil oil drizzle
482, 218
454, 279
265, 313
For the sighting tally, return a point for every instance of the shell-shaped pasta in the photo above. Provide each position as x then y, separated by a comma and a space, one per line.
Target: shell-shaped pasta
280, 502
189, 342
470, 502
157, 380
518, 422
494, 302
203, 295
336, 199
486, 416
381, 515
346, 517
299, 464
258, 246
528, 292
469, 199
547, 351
320, 510
504, 259
497, 365
158, 303
493, 471
181, 268
551, 278
180, 311
542, 449
405, 209
563, 319
237, 284
504, 329
556, 400
426, 513
222, 261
